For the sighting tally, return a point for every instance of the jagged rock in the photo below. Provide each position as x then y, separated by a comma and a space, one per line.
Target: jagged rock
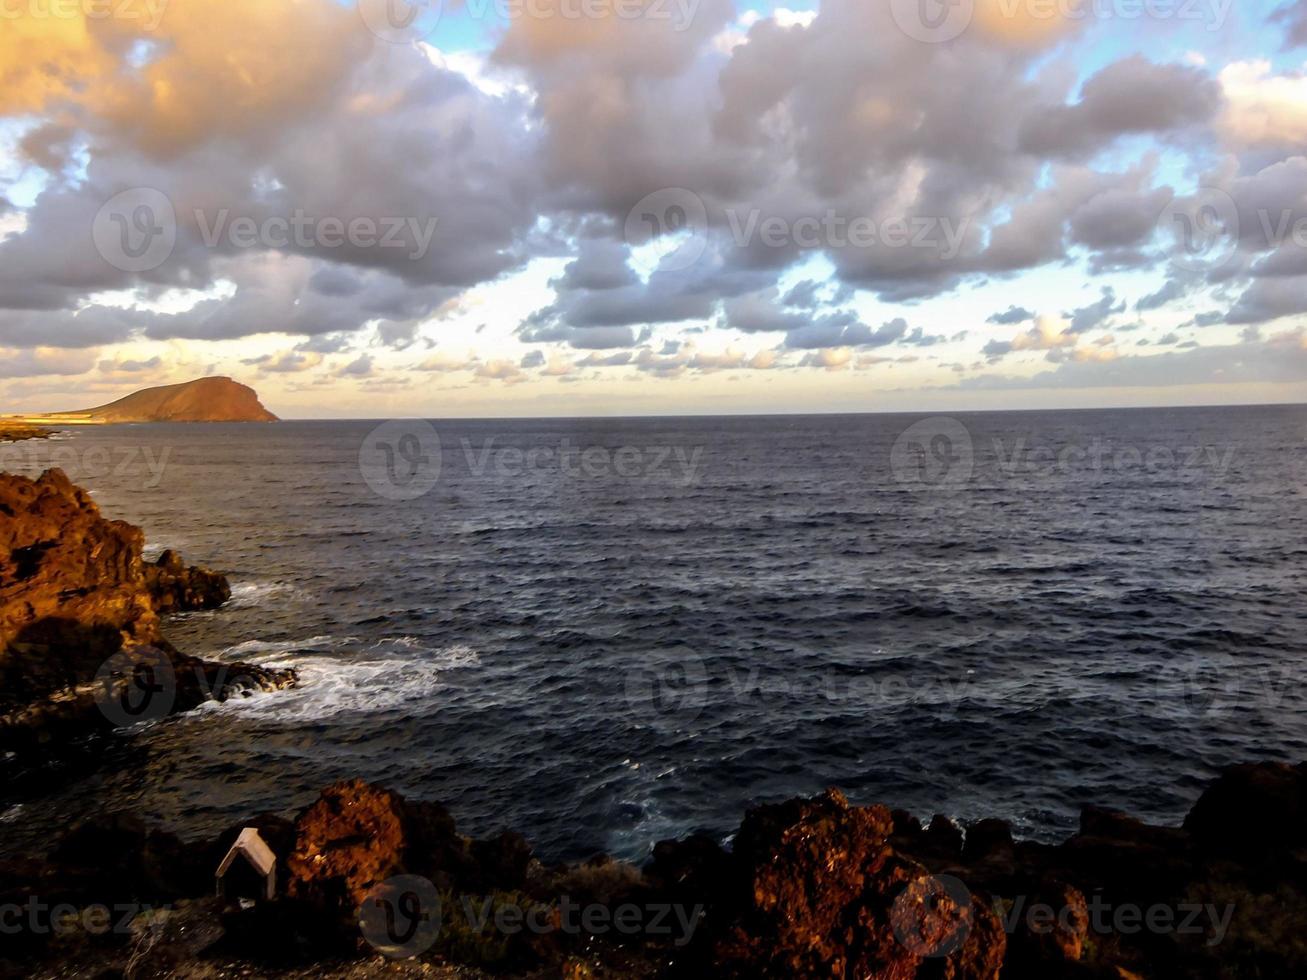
80, 623
1051, 930
695, 869
988, 840
352, 839
821, 893
1252, 811
174, 587
501, 863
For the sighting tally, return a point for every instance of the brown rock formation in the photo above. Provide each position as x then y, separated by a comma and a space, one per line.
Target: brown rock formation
813, 889
202, 400
79, 619
13, 430
823, 894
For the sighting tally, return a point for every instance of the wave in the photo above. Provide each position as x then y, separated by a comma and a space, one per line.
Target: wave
346, 675
246, 595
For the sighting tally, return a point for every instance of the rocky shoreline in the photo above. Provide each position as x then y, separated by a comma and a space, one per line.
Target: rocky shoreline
366, 883
13, 431
82, 648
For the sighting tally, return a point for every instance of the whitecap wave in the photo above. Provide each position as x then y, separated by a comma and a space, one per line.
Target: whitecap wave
246, 595
345, 675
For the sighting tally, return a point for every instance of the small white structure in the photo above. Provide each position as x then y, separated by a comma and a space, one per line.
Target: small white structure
259, 859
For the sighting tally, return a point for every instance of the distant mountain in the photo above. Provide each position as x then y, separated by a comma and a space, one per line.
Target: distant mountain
205, 400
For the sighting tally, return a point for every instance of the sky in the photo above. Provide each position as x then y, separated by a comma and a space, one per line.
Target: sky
626, 207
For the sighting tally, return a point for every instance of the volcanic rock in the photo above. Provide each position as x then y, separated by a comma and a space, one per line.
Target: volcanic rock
80, 626
821, 893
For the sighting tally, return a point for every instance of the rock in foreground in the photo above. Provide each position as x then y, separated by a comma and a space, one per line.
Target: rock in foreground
81, 644
811, 889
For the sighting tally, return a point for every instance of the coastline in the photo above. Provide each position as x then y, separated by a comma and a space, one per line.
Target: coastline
19, 430
368, 883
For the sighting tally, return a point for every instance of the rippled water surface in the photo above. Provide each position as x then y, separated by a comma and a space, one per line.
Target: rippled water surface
715, 612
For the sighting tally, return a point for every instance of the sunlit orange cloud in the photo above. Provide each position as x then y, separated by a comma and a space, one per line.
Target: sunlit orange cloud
43, 59
1030, 22
238, 67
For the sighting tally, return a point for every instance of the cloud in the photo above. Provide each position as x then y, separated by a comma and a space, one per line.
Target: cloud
361, 367
1293, 16
1263, 109
1171, 290
1127, 97
286, 362
1095, 314
1282, 359
45, 361
1048, 334
1012, 315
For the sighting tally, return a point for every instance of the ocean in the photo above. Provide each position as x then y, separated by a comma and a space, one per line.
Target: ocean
603, 633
